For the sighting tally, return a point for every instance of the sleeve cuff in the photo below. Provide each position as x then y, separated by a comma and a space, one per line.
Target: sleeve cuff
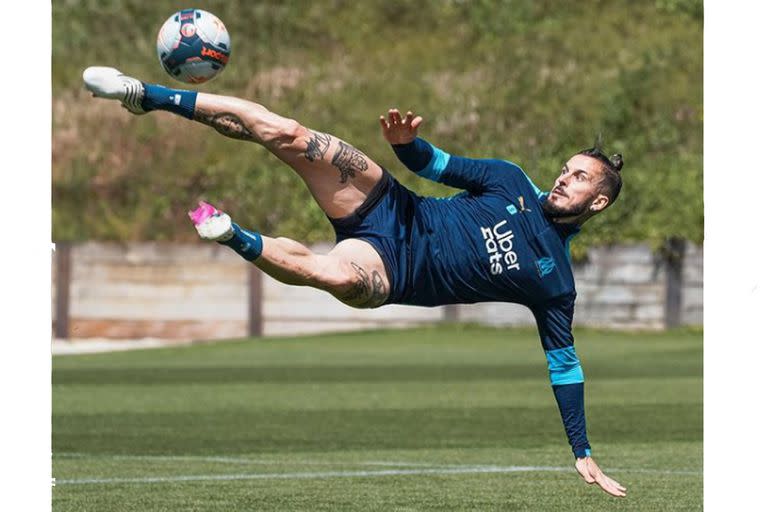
415, 155
582, 451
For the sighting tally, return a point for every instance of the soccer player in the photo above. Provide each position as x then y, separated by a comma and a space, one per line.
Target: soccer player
502, 239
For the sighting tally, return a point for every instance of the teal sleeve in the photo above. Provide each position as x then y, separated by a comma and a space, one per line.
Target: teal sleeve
471, 174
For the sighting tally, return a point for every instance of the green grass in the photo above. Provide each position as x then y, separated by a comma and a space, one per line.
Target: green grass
312, 423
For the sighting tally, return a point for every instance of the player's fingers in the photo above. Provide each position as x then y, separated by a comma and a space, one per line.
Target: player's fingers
616, 484
416, 122
613, 491
383, 123
606, 485
408, 118
392, 116
398, 117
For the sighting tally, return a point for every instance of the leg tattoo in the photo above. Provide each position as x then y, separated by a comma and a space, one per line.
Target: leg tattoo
317, 146
366, 291
348, 160
362, 287
379, 295
226, 123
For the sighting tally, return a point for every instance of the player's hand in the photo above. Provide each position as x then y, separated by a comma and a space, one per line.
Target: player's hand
398, 130
591, 473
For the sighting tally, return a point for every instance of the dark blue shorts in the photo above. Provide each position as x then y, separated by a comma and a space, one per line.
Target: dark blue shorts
385, 221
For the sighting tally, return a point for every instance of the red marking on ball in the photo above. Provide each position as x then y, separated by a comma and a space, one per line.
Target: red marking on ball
188, 30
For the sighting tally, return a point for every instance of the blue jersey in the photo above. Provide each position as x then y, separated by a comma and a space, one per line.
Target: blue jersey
492, 242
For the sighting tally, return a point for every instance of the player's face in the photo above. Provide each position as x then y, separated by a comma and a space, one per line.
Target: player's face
576, 191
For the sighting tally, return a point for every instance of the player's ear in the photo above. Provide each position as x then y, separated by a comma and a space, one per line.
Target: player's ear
599, 204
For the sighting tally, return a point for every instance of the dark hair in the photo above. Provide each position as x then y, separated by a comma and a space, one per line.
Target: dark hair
611, 167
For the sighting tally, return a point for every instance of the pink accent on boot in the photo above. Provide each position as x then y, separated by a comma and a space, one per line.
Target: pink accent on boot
202, 213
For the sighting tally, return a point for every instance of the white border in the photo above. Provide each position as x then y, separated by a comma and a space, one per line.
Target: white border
25, 272
736, 281
735, 271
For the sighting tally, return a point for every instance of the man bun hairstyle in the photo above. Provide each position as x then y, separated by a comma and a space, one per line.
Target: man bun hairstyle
617, 161
610, 185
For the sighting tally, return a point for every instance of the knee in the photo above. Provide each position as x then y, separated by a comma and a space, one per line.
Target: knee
289, 134
332, 279
293, 247
330, 275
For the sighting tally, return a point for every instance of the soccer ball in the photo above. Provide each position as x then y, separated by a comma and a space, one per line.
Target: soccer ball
193, 46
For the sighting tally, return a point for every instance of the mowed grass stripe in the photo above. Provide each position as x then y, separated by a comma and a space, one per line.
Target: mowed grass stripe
443, 346
534, 392
332, 374
270, 431
442, 396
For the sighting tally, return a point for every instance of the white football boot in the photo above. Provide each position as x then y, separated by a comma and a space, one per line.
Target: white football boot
110, 83
210, 223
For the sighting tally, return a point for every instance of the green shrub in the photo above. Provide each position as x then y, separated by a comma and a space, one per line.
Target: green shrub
529, 81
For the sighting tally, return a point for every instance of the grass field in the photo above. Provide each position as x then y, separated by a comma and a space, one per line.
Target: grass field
443, 418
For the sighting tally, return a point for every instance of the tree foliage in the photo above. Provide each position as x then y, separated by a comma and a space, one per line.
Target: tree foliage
532, 81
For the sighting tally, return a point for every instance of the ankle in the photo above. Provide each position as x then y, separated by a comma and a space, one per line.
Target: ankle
178, 101
247, 244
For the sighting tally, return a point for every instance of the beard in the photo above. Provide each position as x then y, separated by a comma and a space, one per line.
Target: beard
558, 212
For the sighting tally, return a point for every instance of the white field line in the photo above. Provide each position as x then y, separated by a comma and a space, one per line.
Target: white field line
245, 461
340, 474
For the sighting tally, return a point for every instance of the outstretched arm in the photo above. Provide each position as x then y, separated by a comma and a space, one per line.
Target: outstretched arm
433, 163
567, 379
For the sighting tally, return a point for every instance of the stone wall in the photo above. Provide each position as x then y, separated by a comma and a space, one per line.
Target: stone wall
693, 285
299, 310
617, 287
157, 290
201, 291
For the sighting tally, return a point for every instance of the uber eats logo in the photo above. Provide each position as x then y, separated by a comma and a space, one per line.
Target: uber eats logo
498, 243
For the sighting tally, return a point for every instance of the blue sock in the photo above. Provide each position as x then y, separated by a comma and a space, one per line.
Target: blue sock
178, 101
247, 244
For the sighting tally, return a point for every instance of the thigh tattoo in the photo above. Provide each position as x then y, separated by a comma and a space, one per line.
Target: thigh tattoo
362, 287
367, 290
379, 294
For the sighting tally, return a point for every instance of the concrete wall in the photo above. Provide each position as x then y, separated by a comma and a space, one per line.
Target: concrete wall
299, 310
200, 291
157, 290
621, 287
693, 285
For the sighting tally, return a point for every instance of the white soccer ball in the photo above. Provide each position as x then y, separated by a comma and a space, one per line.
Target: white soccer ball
193, 46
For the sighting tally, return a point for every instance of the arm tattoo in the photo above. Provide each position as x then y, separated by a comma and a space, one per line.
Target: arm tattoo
226, 123
348, 160
317, 146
